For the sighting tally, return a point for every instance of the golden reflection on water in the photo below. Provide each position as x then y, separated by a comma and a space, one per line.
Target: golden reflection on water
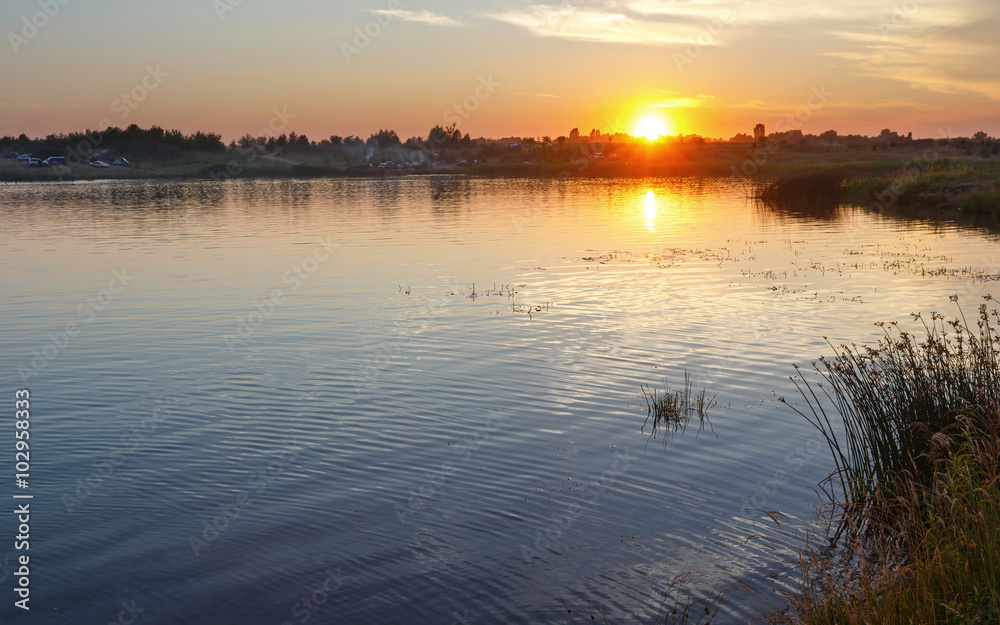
651, 210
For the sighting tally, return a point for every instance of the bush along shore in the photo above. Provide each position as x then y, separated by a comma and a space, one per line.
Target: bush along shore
913, 424
964, 185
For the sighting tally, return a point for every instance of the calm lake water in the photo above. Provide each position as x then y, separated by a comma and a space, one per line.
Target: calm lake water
417, 400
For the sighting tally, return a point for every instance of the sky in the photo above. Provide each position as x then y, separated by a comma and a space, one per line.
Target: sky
501, 68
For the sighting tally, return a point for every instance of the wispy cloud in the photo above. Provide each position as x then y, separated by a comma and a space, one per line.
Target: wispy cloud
538, 95
683, 102
608, 24
422, 17
934, 51
945, 48
665, 22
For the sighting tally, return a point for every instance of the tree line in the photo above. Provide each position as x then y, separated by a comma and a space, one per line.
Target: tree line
135, 141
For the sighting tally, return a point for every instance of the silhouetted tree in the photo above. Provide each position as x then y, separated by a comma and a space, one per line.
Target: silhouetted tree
574, 134
135, 134
207, 142
336, 139
449, 137
384, 139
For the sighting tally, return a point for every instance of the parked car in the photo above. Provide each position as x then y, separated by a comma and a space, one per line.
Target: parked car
119, 161
24, 157
100, 164
10, 155
96, 156
54, 160
32, 162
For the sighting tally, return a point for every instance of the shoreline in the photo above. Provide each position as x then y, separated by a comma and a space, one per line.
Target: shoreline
793, 179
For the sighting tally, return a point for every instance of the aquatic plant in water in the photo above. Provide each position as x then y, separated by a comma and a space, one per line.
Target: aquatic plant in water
673, 410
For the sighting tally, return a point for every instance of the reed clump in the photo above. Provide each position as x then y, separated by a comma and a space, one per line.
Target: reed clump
673, 410
916, 490
816, 185
949, 571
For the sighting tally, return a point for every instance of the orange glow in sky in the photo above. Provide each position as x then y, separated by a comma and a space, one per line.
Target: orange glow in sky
502, 68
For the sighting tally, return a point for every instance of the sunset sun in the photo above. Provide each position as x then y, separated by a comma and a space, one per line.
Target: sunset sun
651, 127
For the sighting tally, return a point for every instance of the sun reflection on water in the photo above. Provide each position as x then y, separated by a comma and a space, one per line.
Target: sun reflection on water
651, 210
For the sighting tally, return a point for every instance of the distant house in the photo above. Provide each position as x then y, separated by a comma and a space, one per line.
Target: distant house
510, 144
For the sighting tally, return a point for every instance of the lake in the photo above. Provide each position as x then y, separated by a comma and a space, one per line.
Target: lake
419, 400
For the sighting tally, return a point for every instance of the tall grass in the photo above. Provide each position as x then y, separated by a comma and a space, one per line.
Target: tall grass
917, 483
895, 397
950, 569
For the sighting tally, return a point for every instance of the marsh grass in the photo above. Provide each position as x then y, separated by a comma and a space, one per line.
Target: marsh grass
949, 569
894, 399
915, 497
967, 185
972, 186
809, 186
672, 411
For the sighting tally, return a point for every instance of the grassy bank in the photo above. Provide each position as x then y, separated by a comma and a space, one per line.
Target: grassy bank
966, 185
962, 185
917, 485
